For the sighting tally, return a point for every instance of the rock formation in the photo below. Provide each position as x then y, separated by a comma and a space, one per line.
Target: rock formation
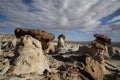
4, 65
100, 52
79, 67
10, 45
114, 52
25, 60
100, 45
29, 57
43, 36
103, 38
91, 69
61, 41
61, 47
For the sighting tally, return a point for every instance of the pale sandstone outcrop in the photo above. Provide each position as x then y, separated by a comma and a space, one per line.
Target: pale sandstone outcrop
29, 57
10, 45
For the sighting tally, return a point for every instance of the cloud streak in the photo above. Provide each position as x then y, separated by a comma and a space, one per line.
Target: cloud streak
57, 14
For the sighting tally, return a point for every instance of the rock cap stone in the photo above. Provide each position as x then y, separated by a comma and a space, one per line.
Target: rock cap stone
38, 34
61, 35
103, 38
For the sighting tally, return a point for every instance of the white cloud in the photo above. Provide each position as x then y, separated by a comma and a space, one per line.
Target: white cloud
114, 19
113, 29
57, 14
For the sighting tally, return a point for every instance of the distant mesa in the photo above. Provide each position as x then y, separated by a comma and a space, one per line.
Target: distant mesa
6, 37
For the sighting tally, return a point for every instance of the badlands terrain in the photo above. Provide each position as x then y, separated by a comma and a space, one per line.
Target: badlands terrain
64, 64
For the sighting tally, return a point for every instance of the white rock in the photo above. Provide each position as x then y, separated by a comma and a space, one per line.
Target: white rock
10, 45
113, 51
30, 58
4, 66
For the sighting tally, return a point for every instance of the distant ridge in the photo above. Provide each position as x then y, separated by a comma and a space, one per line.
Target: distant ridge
7, 37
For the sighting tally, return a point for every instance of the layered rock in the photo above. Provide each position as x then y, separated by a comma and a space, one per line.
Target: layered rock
29, 57
100, 52
10, 45
99, 45
43, 36
4, 65
114, 52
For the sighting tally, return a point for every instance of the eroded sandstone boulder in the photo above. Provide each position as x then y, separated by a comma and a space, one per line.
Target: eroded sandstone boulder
93, 69
29, 57
90, 68
40, 35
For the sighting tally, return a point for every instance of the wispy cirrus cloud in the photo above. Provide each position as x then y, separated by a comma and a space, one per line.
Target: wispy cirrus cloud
57, 14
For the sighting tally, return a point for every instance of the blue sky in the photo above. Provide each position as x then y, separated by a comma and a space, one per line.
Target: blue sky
78, 20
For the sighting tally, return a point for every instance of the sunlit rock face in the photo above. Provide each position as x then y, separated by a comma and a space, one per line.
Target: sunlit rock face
93, 68
29, 57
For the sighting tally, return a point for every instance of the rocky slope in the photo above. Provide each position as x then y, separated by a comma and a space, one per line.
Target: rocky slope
69, 63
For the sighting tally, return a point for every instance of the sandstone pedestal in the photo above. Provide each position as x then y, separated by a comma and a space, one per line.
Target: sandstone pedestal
29, 57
